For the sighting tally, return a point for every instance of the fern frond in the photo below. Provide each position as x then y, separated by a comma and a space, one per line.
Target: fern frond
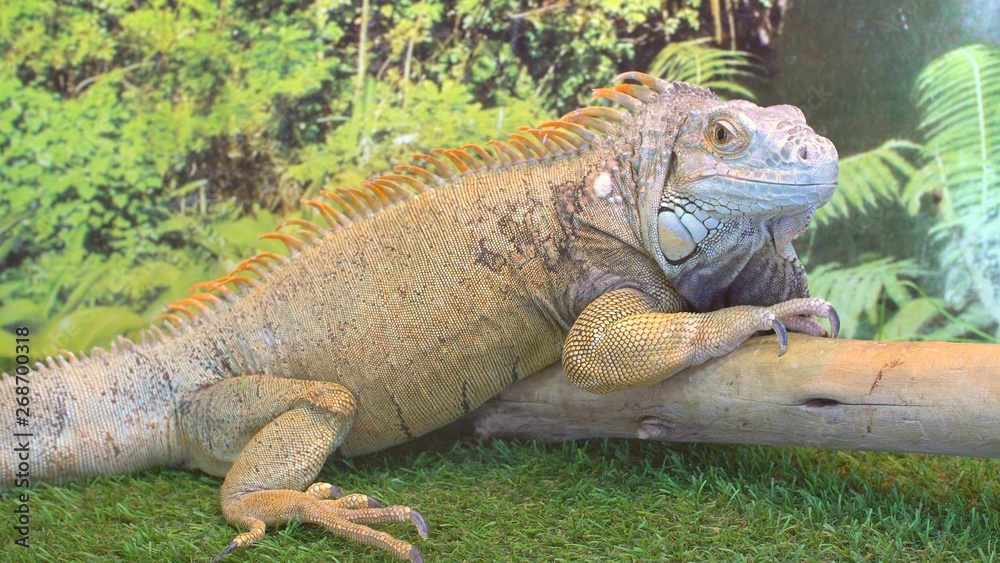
697, 62
857, 290
869, 179
958, 93
959, 96
906, 322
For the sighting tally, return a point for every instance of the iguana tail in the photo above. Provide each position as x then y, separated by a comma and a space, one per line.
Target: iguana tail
110, 413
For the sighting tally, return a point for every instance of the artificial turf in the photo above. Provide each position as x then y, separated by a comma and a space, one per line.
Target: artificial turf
598, 500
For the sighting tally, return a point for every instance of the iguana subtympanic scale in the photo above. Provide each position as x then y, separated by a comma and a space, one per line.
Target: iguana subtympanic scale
631, 243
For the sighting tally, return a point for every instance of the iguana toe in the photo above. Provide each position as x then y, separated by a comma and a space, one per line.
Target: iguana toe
804, 325
354, 501
347, 517
379, 515
797, 315
324, 491
419, 522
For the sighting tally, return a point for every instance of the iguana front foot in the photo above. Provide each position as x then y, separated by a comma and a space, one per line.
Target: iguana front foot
621, 341
343, 515
797, 315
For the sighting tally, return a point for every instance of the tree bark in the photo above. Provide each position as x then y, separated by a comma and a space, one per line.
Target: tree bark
925, 397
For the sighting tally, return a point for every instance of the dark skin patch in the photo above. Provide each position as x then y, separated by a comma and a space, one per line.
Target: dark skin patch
221, 359
465, 397
61, 416
486, 257
405, 428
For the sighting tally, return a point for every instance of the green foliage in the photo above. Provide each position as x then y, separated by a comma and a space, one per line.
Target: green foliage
959, 95
697, 62
120, 124
576, 45
956, 184
391, 125
869, 181
76, 306
859, 291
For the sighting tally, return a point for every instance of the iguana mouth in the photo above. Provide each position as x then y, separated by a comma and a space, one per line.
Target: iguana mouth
727, 195
796, 184
819, 176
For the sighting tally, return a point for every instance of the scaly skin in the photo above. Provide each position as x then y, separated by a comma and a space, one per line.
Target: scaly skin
630, 243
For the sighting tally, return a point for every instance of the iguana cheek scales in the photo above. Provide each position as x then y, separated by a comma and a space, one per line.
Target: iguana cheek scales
631, 243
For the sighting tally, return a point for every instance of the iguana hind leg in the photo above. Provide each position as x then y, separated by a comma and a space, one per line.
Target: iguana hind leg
276, 433
621, 341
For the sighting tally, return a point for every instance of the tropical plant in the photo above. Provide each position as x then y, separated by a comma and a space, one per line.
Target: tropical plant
698, 62
76, 306
861, 293
946, 285
389, 125
959, 95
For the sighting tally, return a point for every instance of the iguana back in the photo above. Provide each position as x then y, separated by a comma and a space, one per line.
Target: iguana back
426, 308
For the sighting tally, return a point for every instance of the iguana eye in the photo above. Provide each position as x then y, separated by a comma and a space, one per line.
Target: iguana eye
721, 135
727, 137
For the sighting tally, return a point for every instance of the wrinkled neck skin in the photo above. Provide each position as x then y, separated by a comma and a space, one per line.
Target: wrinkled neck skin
749, 263
745, 260
607, 229
111, 413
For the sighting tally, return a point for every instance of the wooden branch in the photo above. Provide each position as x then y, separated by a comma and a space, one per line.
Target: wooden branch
926, 397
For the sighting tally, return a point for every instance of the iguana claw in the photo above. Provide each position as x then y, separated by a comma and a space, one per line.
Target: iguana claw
420, 523
834, 322
779, 329
225, 552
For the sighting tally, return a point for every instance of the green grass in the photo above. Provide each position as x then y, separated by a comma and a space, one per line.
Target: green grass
618, 500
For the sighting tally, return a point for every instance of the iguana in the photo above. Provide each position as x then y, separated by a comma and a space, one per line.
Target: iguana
629, 243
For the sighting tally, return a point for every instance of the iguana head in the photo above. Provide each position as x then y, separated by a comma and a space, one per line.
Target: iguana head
734, 163
722, 188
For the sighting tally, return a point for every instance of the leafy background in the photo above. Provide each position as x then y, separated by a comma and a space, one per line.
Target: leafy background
144, 145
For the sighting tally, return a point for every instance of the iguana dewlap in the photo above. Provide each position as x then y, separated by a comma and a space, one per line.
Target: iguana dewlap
629, 243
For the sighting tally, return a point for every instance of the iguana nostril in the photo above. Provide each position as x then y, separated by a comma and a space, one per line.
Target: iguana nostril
803, 153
